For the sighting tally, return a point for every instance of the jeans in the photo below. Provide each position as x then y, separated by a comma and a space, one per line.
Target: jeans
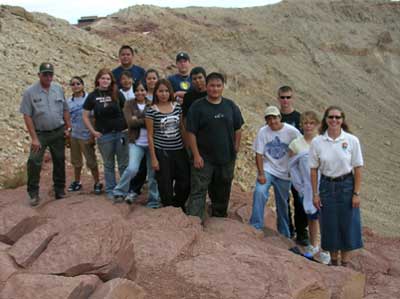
55, 141
136, 154
217, 179
260, 198
113, 145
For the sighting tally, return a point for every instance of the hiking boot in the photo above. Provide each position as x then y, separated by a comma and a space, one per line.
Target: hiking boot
59, 194
34, 200
75, 186
98, 188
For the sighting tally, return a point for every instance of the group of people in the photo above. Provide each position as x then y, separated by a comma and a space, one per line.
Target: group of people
183, 136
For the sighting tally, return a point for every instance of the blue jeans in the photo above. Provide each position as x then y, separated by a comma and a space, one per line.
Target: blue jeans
136, 154
113, 145
260, 198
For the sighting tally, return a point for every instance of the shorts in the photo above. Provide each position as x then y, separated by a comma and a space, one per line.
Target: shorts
87, 147
314, 216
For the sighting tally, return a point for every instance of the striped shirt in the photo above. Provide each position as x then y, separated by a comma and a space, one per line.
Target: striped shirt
166, 127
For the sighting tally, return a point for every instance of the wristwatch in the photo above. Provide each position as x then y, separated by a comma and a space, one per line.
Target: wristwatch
356, 193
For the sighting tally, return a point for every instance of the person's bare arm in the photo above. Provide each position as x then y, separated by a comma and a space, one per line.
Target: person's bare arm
150, 133
357, 187
260, 169
67, 121
314, 185
198, 161
238, 136
35, 143
88, 124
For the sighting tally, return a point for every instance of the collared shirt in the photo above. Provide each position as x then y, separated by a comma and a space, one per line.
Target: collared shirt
337, 157
45, 107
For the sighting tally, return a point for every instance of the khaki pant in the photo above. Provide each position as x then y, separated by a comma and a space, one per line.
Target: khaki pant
85, 147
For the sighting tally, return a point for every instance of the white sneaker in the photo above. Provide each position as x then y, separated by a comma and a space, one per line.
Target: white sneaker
311, 251
325, 257
131, 197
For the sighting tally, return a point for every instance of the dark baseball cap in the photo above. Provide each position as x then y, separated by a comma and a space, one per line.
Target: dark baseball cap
182, 55
46, 67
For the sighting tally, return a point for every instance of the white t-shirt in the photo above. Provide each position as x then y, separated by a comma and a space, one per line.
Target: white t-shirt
335, 157
274, 146
128, 94
142, 139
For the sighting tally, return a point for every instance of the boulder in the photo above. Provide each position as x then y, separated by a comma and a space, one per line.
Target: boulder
28, 248
161, 235
119, 288
16, 221
103, 248
28, 286
7, 268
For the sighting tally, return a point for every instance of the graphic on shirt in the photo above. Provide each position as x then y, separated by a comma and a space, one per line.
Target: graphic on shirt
184, 85
276, 149
219, 115
105, 100
169, 126
344, 146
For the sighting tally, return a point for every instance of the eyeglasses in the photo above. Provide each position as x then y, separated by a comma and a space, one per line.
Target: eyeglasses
75, 84
285, 97
334, 117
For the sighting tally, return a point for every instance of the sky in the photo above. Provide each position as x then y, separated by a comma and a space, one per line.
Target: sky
72, 10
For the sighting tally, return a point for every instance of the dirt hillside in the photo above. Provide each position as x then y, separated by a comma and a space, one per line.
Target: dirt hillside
338, 52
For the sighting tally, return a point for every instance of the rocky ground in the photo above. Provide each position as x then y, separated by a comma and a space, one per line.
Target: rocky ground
331, 52
83, 246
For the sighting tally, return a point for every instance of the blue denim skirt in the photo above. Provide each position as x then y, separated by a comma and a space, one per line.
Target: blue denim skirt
340, 222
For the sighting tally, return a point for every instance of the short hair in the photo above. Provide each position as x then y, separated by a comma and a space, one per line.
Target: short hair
125, 47
198, 70
284, 89
137, 83
309, 115
127, 74
215, 76
166, 83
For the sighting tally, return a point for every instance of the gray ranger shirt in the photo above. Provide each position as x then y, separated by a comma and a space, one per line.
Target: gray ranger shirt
45, 108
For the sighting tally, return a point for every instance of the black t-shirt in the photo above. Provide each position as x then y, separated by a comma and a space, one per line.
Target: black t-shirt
107, 113
292, 119
214, 126
191, 97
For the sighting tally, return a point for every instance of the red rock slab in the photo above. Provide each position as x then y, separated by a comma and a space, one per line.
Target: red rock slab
28, 248
161, 235
17, 220
103, 248
29, 286
7, 268
119, 288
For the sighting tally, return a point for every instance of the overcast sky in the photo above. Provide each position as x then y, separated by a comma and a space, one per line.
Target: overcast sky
72, 10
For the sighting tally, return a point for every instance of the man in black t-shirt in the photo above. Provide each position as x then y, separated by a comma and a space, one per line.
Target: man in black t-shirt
214, 131
292, 117
198, 77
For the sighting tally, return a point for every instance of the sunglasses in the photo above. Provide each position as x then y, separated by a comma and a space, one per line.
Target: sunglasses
75, 84
286, 97
335, 117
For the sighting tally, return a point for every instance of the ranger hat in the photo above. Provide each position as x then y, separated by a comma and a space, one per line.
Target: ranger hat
272, 110
46, 67
182, 55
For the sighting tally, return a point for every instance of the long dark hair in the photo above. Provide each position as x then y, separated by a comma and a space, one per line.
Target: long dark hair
166, 83
113, 85
324, 124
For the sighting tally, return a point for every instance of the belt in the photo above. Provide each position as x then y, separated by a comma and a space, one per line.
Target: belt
49, 131
337, 179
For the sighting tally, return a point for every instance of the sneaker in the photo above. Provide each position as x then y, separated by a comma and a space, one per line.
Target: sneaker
98, 188
59, 194
311, 251
325, 257
131, 197
118, 199
34, 200
75, 186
